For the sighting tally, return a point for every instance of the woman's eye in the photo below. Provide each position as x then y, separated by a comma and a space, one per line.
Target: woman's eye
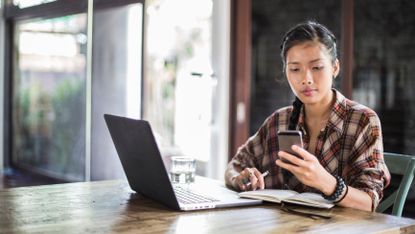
317, 68
294, 69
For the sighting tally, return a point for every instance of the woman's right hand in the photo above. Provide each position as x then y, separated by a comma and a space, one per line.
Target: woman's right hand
251, 175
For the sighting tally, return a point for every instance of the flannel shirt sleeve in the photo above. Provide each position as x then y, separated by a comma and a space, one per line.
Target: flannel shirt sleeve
247, 155
368, 171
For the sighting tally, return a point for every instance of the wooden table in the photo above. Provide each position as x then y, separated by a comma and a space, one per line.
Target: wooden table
112, 207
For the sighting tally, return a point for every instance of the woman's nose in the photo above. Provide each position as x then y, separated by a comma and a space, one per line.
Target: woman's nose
308, 82
308, 79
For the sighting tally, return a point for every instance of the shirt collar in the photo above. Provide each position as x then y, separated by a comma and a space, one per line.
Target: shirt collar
337, 115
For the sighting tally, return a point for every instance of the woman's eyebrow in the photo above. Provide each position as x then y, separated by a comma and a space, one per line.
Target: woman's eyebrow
315, 60
312, 61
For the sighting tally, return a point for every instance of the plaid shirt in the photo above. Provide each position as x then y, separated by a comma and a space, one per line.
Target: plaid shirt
349, 146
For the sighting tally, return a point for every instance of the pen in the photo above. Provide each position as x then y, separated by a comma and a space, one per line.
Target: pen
263, 175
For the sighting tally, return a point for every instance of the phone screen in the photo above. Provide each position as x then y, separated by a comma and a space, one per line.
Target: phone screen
288, 138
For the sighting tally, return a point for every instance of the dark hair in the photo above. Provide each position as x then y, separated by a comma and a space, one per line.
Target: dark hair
304, 32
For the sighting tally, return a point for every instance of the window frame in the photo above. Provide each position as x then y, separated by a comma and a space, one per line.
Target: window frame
13, 14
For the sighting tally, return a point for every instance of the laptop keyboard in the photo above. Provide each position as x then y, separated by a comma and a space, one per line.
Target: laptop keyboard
186, 196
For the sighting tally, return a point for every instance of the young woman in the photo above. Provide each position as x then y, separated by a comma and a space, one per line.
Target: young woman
342, 156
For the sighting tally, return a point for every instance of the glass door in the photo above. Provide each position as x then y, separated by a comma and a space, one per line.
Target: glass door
49, 96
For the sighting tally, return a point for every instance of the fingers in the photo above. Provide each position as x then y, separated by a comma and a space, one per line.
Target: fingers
250, 178
260, 180
252, 175
299, 159
303, 153
289, 158
287, 165
301, 168
243, 178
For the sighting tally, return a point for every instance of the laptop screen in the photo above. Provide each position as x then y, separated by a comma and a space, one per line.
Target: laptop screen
141, 159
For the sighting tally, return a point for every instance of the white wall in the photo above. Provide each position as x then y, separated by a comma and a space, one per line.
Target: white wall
116, 79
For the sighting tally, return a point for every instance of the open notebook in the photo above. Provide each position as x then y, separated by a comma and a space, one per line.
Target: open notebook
288, 196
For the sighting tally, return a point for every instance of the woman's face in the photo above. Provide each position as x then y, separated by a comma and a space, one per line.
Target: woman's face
310, 72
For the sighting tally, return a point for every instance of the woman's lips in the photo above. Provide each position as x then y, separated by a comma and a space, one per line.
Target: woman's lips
308, 92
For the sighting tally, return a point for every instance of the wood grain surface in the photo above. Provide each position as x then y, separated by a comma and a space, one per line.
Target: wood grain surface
112, 207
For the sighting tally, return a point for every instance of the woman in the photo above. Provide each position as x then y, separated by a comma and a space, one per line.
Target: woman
342, 156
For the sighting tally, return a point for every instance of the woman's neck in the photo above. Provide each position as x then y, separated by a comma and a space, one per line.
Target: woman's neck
319, 112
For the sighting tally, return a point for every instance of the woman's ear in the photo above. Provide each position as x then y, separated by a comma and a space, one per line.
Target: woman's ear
336, 68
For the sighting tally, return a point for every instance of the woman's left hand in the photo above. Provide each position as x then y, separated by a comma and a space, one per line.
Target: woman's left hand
307, 169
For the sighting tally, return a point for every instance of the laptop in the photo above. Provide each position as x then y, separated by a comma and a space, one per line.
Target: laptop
146, 174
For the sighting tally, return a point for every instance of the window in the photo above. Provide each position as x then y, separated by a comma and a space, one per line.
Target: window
49, 96
62, 82
29, 3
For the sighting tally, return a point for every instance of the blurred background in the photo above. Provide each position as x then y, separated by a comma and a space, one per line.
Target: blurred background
205, 73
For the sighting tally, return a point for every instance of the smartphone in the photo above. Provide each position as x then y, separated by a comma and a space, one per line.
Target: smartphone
288, 138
